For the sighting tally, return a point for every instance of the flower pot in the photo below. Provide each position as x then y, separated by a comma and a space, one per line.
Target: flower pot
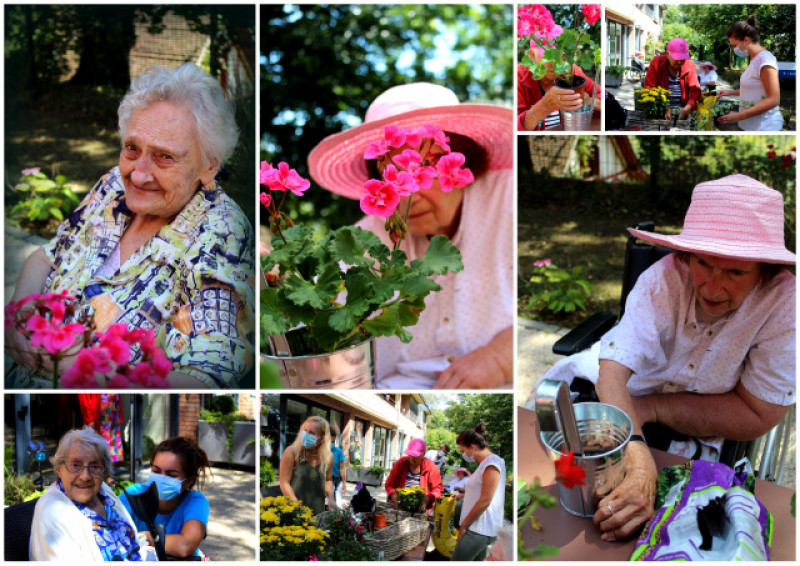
609, 430
351, 368
613, 80
577, 86
577, 120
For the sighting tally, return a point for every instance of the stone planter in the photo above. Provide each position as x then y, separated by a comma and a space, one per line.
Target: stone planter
212, 438
613, 80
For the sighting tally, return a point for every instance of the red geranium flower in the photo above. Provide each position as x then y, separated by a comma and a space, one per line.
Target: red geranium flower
567, 472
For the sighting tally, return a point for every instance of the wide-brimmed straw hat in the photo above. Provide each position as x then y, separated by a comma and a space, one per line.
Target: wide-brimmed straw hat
734, 217
708, 64
338, 164
462, 470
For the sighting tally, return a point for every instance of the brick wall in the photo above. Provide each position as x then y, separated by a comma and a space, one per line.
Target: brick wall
248, 405
189, 411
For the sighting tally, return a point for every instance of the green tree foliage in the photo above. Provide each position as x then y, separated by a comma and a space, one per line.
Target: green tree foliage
435, 437
706, 26
496, 410
322, 65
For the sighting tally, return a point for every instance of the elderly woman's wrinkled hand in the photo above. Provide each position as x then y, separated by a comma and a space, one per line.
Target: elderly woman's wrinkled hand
481, 368
562, 99
18, 348
621, 514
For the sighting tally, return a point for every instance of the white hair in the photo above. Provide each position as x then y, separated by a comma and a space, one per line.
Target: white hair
87, 438
198, 92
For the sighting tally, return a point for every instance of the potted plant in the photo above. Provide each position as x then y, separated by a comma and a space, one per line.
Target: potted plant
327, 298
559, 47
614, 75
226, 435
653, 101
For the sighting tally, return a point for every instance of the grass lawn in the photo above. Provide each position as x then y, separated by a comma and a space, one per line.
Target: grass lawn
592, 236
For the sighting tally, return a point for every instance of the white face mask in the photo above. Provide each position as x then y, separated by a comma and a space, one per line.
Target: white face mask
741, 51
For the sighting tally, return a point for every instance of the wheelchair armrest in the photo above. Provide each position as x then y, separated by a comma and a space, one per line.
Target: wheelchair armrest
585, 334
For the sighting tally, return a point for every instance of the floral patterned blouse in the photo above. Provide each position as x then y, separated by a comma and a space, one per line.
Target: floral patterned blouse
113, 535
193, 282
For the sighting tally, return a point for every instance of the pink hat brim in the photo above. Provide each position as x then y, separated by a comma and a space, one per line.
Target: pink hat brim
720, 248
337, 162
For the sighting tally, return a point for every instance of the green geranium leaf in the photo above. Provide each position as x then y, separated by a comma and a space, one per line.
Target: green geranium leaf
562, 68
273, 321
317, 294
385, 324
408, 314
523, 495
419, 285
351, 243
441, 256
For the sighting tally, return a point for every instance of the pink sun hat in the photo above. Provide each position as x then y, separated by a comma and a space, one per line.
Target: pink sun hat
337, 163
679, 49
416, 448
708, 64
463, 471
733, 217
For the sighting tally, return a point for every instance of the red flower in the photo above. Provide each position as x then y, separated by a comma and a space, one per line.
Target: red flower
591, 12
567, 472
771, 154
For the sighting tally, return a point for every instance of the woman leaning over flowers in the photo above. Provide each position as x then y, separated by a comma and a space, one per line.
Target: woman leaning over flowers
307, 466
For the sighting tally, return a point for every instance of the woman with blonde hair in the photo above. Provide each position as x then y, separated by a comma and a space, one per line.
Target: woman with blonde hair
307, 466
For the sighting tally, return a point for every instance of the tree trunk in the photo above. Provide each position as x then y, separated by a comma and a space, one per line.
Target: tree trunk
107, 37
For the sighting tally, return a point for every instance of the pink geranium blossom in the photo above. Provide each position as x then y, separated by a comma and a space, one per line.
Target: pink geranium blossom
264, 173
591, 12
265, 199
379, 199
52, 335
402, 181
31, 171
541, 263
451, 175
283, 178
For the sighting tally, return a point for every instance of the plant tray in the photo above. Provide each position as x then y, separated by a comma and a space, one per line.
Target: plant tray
637, 119
395, 540
395, 515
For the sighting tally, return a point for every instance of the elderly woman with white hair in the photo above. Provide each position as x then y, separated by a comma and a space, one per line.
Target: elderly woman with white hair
79, 518
157, 243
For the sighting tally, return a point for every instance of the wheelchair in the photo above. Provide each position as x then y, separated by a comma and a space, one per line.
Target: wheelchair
767, 454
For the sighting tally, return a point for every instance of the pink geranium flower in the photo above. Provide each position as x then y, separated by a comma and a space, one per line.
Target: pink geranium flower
541, 263
402, 181
87, 365
31, 170
264, 173
438, 136
285, 179
451, 175
591, 12
52, 335
379, 199
265, 199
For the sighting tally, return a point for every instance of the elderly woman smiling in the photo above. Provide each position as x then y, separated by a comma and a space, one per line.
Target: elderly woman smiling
79, 518
157, 243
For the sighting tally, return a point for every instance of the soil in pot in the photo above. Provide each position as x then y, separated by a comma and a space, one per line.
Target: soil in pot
577, 85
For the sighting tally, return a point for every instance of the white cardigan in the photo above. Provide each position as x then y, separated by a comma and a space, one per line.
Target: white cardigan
61, 532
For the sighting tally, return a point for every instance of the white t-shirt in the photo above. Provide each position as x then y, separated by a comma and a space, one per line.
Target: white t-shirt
474, 305
458, 483
752, 91
709, 77
491, 520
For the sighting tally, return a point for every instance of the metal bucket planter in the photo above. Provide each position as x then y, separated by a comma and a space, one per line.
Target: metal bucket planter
351, 368
577, 120
605, 431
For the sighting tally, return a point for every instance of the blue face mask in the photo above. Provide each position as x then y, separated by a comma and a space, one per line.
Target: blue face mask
740, 52
441, 454
309, 440
469, 459
168, 488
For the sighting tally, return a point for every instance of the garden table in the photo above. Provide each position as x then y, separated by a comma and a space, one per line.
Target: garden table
579, 539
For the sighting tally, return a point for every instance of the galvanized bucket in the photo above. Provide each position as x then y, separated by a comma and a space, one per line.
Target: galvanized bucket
352, 368
577, 120
605, 431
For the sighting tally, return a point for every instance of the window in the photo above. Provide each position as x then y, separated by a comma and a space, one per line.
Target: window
379, 439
